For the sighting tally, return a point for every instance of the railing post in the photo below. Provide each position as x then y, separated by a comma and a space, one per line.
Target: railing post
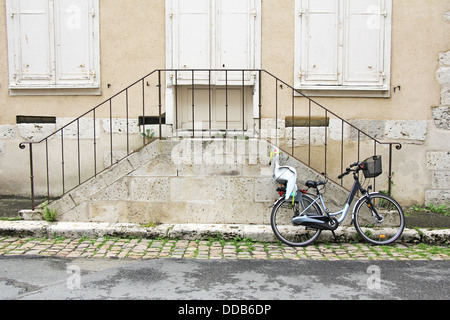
193, 105
22, 146
143, 111
159, 104
390, 170
32, 177
260, 105
243, 104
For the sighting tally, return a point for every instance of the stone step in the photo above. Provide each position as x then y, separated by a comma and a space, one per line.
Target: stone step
222, 181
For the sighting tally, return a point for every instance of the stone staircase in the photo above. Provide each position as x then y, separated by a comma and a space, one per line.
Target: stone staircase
180, 181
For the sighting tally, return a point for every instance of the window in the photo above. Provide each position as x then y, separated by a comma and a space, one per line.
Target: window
53, 44
342, 47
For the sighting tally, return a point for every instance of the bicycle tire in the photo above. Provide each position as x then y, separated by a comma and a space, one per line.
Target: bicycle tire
373, 230
285, 230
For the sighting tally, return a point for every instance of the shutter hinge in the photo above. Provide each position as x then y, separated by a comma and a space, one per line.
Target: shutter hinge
92, 12
384, 13
253, 13
301, 12
92, 74
170, 14
301, 73
13, 13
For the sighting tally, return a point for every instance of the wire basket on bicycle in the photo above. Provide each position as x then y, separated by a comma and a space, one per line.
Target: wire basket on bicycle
371, 167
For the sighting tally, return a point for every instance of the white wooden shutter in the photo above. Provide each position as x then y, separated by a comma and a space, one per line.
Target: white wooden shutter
364, 42
31, 41
235, 37
192, 37
74, 42
320, 42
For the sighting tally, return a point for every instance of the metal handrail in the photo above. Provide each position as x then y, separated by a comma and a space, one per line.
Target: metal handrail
258, 73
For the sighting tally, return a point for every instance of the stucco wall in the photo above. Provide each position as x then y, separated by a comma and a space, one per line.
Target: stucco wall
132, 43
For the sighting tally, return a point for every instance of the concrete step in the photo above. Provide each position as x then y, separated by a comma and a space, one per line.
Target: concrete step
224, 181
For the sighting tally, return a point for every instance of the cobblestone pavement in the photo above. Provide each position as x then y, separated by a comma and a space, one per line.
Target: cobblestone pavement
213, 249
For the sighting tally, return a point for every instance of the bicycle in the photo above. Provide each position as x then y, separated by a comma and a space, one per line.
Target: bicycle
299, 218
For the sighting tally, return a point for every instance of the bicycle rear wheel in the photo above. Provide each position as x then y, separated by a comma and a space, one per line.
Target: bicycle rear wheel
285, 230
380, 221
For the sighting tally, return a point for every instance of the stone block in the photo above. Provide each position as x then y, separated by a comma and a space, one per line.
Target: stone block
7, 132
76, 214
445, 96
441, 117
440, 180
116, 172
415, 130
198, 212
62, 205
192, 189
438, 160
446, 16
149, 189
35, 132
166, 130
87, 190
77, 229
116, 191
119, 126
247, 213
33, 215
373, 128
144, 155
271, 128
107, 211
265, 190
444, 59
234, 189
303, 136
443, 76
86, 128
437, 197
159, 167
117, 155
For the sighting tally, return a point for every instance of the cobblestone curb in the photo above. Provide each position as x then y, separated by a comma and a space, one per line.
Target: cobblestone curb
118, 248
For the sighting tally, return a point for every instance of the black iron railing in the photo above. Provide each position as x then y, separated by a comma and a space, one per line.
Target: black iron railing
316, 133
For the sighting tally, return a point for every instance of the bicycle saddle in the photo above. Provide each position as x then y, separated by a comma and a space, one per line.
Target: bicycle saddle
314, 184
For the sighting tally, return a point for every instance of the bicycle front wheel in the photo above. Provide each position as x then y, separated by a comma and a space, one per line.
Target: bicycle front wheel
285, 230
379, 219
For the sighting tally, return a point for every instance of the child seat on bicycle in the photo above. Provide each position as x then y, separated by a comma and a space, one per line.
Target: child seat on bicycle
284, 175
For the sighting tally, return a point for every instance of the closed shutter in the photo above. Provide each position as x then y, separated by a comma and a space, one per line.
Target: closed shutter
343, 44
31, 45
74, 42
364, 42
235, 36
320, 46
192, 37
219, 34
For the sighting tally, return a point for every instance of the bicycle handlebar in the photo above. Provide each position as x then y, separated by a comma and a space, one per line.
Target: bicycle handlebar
348, 170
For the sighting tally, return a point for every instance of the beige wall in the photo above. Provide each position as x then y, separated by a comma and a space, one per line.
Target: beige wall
132, 43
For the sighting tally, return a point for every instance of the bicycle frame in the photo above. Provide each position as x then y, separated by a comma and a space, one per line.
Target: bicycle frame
355, 188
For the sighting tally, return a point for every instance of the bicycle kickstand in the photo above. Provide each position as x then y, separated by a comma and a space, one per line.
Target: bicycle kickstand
334, 235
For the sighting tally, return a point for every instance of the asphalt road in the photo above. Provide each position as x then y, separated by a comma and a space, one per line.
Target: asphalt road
50, 278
